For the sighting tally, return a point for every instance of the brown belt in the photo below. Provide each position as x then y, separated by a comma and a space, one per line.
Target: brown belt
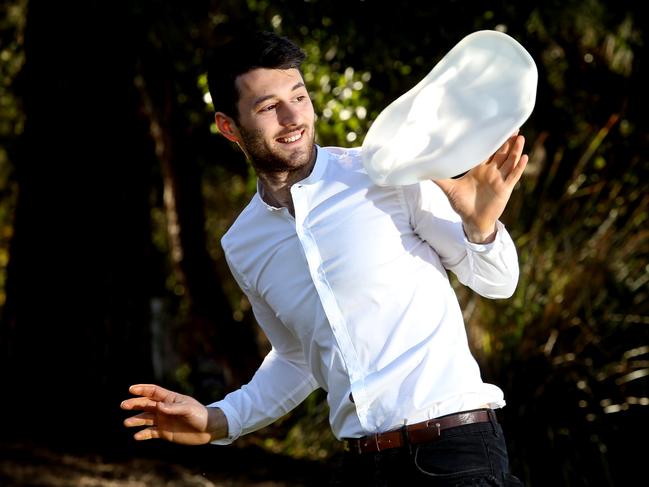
417, 433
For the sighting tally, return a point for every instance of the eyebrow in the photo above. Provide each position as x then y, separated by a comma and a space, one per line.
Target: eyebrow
262, 99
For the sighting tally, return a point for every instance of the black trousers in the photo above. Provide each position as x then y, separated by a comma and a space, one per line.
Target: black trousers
468, 455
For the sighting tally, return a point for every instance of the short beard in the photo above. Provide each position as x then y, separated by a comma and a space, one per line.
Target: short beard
265, 161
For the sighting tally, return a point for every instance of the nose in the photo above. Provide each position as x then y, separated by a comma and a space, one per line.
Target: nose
288, 115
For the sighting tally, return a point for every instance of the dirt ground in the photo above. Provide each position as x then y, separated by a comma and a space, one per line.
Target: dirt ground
144, 465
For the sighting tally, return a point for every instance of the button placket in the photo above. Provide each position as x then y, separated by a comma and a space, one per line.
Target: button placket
325, 293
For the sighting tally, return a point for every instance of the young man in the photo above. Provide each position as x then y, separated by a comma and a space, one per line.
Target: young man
349, 282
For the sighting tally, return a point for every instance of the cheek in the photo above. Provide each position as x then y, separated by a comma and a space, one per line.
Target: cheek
310, 108
260, 129
252, 137
309, 113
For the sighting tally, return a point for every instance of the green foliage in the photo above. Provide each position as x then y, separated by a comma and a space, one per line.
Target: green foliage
340, 101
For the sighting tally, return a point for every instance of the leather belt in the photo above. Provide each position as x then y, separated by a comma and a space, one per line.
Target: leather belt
415, 434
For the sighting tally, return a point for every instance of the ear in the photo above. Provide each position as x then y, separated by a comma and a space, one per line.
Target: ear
227, 126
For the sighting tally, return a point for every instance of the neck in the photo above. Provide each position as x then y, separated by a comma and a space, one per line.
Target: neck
276, 186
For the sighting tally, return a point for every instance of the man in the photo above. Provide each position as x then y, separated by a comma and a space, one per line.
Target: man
349, 282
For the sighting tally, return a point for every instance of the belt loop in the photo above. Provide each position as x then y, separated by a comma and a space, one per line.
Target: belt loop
493, 420
406, 438
376, 441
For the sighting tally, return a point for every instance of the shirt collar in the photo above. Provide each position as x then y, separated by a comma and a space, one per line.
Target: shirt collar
318, 168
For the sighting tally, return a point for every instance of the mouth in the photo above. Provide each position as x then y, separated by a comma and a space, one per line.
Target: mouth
291, 138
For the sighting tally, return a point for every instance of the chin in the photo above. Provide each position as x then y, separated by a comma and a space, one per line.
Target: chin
308, 155
300, 155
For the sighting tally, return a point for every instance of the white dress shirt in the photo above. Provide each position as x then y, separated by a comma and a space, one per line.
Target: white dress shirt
354, 296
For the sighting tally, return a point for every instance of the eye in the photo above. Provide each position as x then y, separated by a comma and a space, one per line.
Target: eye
269, 108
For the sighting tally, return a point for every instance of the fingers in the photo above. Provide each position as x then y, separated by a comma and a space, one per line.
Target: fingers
517, 172
147, 434
507, 146
150, 394
513, 157
148, 406
501, 153
152, 391
139, 403
143, 419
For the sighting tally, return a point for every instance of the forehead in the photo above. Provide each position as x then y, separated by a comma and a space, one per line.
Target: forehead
267, 82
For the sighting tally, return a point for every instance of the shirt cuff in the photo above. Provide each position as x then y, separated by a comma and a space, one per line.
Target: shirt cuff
234, 424
496, 245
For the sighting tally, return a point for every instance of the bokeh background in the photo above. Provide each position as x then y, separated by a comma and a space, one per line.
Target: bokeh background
115, 190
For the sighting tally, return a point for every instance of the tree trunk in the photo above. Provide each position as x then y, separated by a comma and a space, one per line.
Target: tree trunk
78, 288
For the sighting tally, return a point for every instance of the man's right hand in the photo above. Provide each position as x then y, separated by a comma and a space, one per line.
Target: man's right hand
173, 417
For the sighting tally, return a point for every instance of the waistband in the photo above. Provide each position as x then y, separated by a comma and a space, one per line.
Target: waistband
418, 433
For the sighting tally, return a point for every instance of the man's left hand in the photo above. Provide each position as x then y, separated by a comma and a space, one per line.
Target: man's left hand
480, 196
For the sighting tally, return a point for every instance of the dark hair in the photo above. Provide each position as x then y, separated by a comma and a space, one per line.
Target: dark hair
261, 50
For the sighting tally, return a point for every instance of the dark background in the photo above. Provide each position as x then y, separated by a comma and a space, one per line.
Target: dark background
115, 190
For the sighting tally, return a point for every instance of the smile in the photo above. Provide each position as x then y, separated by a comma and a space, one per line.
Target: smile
293, 138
